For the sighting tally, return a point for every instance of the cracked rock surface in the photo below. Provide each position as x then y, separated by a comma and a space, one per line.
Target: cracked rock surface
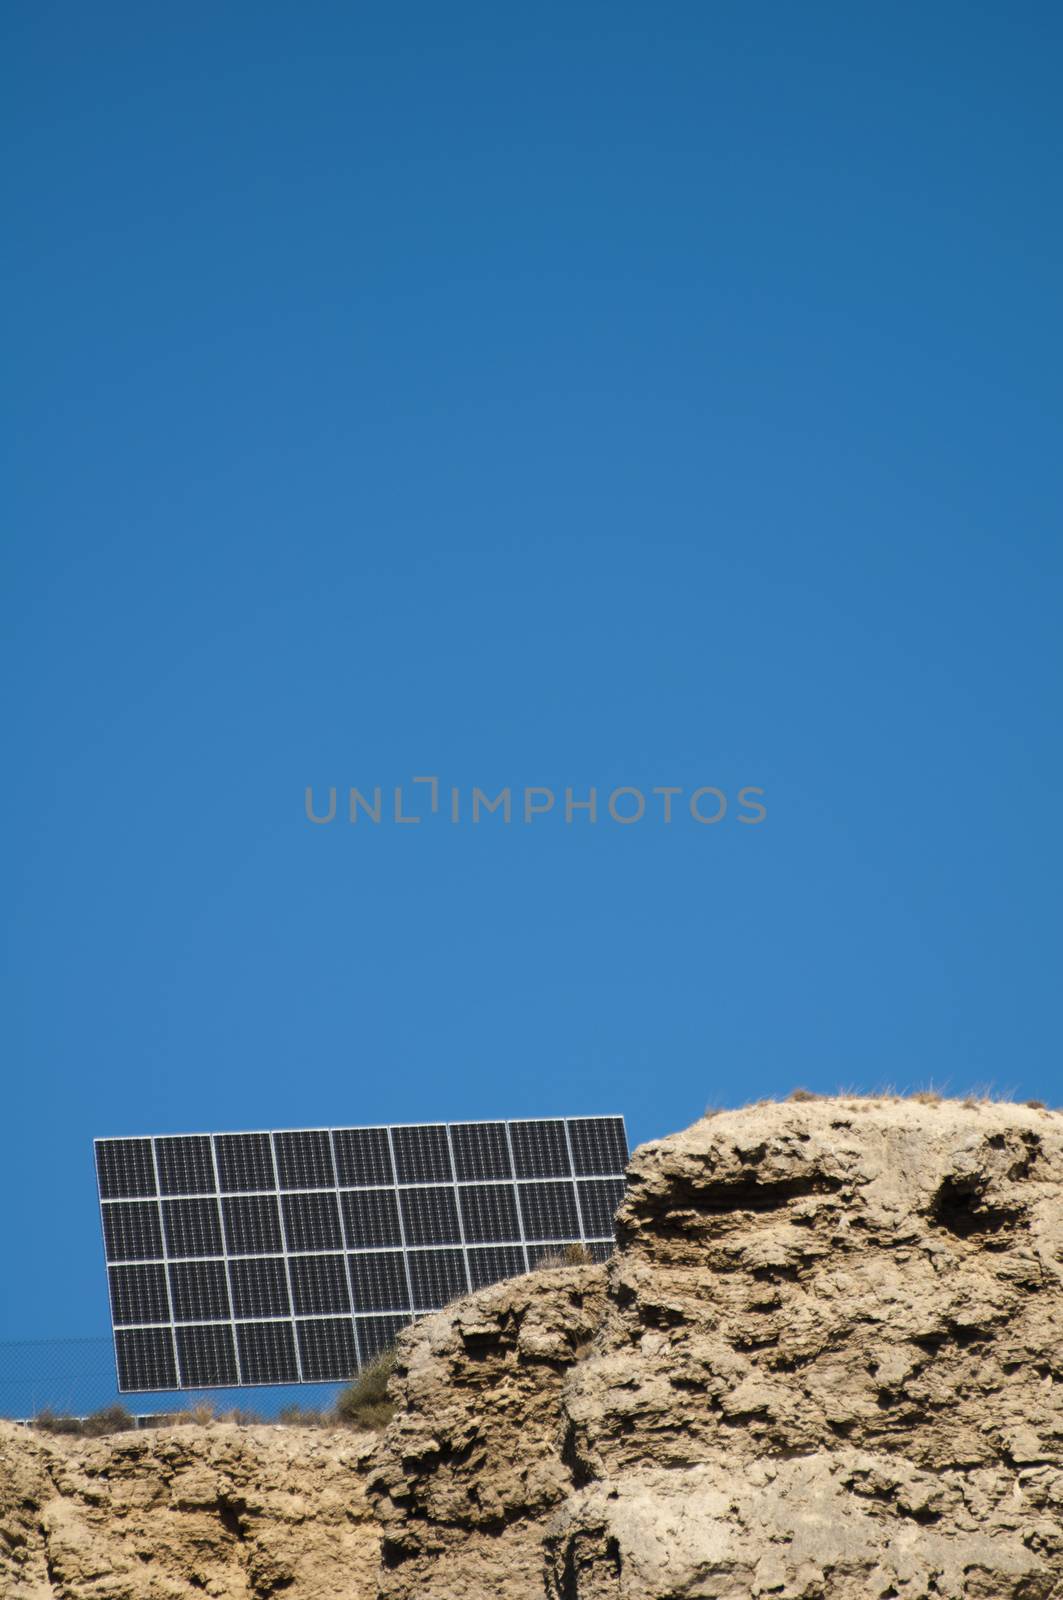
828, 1365
182, 1513
475, 1460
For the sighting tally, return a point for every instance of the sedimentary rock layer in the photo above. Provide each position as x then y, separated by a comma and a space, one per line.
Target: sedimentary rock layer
229, 1512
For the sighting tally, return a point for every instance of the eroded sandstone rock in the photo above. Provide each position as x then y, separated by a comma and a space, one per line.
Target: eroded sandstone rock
474, 1460
829, 1367
223, 1511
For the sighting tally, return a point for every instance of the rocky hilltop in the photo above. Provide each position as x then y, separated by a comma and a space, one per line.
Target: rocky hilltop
825, 1363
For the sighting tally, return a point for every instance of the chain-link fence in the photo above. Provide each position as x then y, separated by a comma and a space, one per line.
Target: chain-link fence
76, 1378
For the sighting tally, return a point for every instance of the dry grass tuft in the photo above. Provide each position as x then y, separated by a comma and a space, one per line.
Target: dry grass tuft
365, 1403
112, 1419
199, 1414
569, 1255
859, 1099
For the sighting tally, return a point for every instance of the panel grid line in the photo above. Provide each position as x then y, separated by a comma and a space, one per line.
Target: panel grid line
287, 1261
457, 1207
228, 1269
402, 1224
166, 1269
575, 1185
346, 1251
350, 1188
516, 1199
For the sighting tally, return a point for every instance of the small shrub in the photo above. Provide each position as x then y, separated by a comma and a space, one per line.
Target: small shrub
926, 1097
111, 1419
365, 1402
242, 1418
197, 1415
802, 1095
49, 1421
568, 1255
1037, 1105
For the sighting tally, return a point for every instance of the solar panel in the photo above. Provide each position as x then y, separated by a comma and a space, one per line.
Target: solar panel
295, 1257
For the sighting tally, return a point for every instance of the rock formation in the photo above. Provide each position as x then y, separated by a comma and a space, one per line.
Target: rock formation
829, 1367
475, 1460
825, 1363
182, 1513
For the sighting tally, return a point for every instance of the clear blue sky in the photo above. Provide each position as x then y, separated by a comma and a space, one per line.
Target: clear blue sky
606, 395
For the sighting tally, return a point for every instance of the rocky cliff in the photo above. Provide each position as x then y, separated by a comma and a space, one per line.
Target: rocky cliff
826, 1363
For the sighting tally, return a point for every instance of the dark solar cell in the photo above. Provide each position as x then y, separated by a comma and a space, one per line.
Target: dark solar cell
489, 1213
379, 1281
252, 1224
124, 1168
199, 1291
540, 1149
436, 1278
598, 1201
260, 1287
598, 1145
481, 1150
207, 1357
267, 1352
138, 1294
131, 1231
304, 1160
492, 1265
363, 1156
377, 1334
327, 1349
600, 1251
312, 1222
245, 1161
422, 1155
430, 1216
370, 1218
549, 1211
145, 1359
186, 1165
193, 1227
319, 1284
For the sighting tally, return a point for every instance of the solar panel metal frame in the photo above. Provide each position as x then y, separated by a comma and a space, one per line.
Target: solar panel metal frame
215, 1335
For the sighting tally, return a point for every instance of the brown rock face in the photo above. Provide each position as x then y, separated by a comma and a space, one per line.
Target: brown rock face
829, 1367
233, 1513
826, 1363
475, 1460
